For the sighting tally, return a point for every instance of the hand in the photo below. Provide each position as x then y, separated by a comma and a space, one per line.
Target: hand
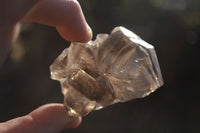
49, 118
67, 17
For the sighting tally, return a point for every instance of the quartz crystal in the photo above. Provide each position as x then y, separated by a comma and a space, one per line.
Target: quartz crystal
113, 68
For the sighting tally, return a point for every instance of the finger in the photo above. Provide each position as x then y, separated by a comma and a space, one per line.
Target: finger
65, 15
50, 118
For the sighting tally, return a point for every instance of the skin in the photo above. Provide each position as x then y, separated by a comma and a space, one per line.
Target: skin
67, 17
50, 118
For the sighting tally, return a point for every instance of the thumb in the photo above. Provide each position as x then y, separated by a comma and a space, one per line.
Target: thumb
65, 15
50, 118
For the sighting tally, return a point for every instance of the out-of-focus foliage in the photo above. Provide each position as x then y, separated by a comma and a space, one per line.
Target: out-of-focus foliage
172, 26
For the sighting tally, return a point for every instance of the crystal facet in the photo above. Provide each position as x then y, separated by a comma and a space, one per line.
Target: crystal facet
113, 68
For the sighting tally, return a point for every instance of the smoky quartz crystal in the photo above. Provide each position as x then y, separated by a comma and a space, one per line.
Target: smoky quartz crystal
113, 68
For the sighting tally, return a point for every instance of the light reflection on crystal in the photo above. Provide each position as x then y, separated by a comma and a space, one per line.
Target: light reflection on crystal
113, 68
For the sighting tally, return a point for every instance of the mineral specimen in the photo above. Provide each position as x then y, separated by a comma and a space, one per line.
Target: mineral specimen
113, 68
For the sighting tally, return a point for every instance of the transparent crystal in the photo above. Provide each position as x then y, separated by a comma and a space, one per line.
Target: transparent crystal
113, 68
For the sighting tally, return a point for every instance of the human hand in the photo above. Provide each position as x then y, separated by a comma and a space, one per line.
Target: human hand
50, 118
67, 17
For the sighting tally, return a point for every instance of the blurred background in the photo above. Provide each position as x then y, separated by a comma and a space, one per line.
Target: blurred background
172, 26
